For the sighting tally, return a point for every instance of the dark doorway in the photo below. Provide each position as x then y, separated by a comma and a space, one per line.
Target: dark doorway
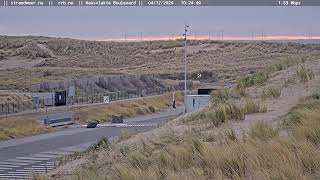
60, 98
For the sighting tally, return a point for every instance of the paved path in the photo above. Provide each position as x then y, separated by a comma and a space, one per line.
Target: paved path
20, 158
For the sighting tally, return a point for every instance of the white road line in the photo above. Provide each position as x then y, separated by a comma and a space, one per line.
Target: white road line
47, 165
27, 171
46, 155
13, 163
5, 168
36, 168
8, 166
48, 162
34, 158
52, 166
43, 167
64, 152
14, 177
20, 175
22, 161
58, 152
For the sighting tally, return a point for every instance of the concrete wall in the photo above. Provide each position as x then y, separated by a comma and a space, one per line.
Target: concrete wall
195, 102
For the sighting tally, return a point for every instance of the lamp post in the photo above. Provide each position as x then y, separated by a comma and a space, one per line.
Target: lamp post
185, 65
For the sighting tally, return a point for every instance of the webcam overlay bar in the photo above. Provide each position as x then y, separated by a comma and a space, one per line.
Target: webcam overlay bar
57, 3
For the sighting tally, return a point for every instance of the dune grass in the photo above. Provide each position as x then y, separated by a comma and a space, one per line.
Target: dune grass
303, 120
141, 106
262, 131
12, 127
272, 91
265, 73
265, 155
254, 106
304, 74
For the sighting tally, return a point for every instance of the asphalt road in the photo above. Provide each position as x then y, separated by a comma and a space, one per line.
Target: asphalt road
20, 158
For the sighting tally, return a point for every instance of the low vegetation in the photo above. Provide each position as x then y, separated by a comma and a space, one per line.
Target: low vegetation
129, 108
264, 74
274, 92
303, 120
254, 106
262, 131
304, 74
263, 155
220, 96
226, 111
29, 60
199, 147
19, 127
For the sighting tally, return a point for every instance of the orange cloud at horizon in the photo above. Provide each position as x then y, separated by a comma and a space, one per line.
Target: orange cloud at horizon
231, 38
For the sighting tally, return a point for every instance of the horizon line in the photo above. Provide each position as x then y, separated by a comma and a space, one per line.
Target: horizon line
218, 38
190, 37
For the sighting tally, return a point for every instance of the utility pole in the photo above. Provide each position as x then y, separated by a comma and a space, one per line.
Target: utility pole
185, 65
125, 37
222, 34
141, 36
209, 36
252, 36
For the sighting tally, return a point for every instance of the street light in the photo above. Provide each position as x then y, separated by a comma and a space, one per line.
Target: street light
185, 65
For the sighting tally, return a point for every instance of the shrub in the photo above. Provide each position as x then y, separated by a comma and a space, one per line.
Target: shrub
305, 74
231, 135
220, 96
262, 131
227, 111
255, 79
254, 106
274, 92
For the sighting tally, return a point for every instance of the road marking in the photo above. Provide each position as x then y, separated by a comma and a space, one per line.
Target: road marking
47, 163
20, 175
46, 155
14, 176
29, 171
34, 158
36, 168
59, 152
46, 166
22, 161
8, 166
13, 163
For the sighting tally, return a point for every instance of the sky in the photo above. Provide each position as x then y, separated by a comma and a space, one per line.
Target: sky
103, 23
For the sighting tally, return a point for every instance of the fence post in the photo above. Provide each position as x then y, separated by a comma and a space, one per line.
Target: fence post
8, 108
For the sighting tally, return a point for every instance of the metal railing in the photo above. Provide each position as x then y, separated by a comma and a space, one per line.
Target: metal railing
16, 107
